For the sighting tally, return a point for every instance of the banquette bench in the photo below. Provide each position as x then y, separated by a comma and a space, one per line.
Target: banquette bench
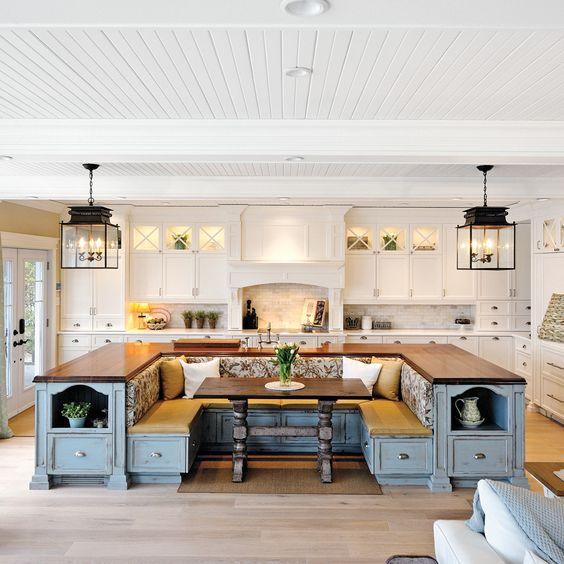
165, 435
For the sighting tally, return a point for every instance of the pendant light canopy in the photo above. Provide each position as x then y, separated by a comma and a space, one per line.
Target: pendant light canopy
486, 241
89, 239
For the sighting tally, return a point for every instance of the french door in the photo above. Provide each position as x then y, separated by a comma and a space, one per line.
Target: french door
25, 323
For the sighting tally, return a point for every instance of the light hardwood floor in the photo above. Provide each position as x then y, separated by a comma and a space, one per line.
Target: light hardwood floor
153, 524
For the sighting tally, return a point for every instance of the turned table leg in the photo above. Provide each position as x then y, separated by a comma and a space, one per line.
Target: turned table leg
240, 433
324, 438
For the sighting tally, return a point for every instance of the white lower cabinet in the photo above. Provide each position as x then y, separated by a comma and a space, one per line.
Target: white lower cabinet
67, 354
498, 350
552, 379
468, 343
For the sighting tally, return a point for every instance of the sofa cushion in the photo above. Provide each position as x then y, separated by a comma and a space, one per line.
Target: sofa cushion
172, 378
388, 384
196, 373
385, 418
368, 373
173, 417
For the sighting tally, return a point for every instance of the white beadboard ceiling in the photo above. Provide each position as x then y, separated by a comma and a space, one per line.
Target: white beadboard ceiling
238, 73
278, 169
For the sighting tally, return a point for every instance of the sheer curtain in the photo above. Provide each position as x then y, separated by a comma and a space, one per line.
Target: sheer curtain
5, 432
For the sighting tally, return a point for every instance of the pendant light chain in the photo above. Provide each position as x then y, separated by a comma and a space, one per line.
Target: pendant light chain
91, 198
485, 188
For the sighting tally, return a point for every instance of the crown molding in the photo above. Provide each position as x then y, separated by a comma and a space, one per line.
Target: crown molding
462, 142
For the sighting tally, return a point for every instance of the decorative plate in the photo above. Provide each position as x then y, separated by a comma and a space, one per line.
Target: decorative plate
472, 425
279, 388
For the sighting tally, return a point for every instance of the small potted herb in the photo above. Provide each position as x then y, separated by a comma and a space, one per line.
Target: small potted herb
200, 317
76, 413
213, 316
188, 316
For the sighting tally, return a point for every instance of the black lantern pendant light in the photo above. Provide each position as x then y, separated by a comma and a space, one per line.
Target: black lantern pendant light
89, 239
486, 241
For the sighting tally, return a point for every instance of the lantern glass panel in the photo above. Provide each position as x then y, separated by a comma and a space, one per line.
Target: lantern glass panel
89, 246
486, 247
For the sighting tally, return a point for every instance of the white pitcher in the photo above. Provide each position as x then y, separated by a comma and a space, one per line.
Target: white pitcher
469, 412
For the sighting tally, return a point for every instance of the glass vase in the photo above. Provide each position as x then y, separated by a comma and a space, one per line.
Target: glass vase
285, 374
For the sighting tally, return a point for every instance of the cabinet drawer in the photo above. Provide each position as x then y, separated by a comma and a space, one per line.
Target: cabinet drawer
75, 341
553, 395
367, 445
523, 363
101, 340
523, 345
494, 323
79, 454
494, 308
522, 323
522, 308
83, 323
469, 344
403, 456
422, 339
302, 341
367, 339
471, 456
108, 323
553, 363
159, 454
329, 340
149, 338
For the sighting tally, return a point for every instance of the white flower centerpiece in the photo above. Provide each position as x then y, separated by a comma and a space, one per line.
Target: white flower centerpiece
286, 355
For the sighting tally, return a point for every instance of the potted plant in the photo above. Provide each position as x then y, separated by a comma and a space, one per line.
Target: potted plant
200, 317
286, 355
213, 316
188, 316
76, 413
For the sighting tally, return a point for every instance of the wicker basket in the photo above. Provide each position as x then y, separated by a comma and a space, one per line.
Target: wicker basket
552, 328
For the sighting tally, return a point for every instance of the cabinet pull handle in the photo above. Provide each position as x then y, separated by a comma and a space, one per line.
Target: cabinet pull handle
138, 341
397, 342
555, 398
364, 337
432, 342
76, 324
510, 293
75, 340
377, 292
479, 456
155, 455
80, 454
411, 293
494, 308
109, 325
555, 365
403, 456
538, 245
495, 338
463, 338
444, 292
494, 323
303, 342
107, 341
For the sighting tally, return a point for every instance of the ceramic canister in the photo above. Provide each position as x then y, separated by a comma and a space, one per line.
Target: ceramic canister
366, 323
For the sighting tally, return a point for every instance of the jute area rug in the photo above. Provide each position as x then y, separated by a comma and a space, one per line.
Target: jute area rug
280, 474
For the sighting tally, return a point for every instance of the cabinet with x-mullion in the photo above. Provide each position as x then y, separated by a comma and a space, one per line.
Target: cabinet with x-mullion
171, 262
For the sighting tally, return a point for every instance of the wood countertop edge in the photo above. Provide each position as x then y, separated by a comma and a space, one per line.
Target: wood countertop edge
132, 358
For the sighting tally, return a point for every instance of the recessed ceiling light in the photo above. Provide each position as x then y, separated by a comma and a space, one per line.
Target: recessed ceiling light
305, 7
294, 159
5, 158
543, 199
298, 72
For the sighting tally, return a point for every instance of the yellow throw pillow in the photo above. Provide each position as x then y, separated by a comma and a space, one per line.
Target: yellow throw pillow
388, 384
172, 379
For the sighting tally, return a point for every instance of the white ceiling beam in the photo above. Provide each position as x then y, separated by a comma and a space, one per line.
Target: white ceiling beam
224, 13
463, 142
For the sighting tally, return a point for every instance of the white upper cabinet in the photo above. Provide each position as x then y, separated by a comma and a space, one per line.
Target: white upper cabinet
76, 295
393, 239
426, 277
458, 284
145, 276
146, 238
211, 278
393, 277
178, 277
495, 285
360, 239
360, 277
426, 239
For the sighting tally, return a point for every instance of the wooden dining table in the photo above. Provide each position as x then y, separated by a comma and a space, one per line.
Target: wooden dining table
325, 390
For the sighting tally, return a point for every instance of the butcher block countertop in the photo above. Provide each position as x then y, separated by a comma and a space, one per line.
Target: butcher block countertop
439, 364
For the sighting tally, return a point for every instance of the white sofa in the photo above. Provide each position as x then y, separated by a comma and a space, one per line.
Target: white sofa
503, 541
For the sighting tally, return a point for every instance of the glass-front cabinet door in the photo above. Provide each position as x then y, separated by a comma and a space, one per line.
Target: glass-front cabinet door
146, 238
425, 238
392, 239
360, 239
178, 238
211, 238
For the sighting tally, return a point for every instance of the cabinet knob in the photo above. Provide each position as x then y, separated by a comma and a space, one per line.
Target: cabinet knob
365, 444
75, 340
524, 347
494, 308
528, 308
156, 455
494, 323
528, 323
463, 338
397, 342
524, 364
364, 337
80, 454
109, 325
138, 341
107, 341
194, 443
479, 456
433, 342
403, 456
495, 338
76, 324
303, 342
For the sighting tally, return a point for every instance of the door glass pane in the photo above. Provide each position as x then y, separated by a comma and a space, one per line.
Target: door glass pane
424, 239
392, 239
8, 317
359, 239
33, 314
146, 238
212, 238
178, 238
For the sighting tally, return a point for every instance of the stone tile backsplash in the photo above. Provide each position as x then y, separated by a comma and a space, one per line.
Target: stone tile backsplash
281, 304
414, 316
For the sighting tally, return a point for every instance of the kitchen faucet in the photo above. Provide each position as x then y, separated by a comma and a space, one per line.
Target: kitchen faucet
269, 339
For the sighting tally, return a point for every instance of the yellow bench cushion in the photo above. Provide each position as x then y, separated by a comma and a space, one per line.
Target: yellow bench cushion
172, 417
312, 404
385, 418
